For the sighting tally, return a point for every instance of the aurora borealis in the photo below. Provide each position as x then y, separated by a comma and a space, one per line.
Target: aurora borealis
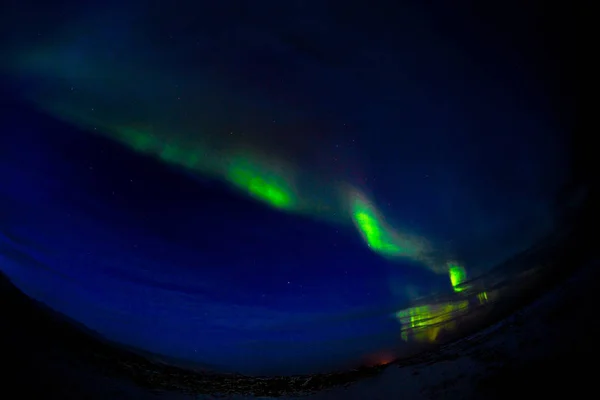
223, 186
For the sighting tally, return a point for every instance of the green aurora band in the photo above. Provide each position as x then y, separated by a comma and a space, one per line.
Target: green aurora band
75, 86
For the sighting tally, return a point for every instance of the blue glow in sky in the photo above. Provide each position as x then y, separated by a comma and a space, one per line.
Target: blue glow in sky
191, 187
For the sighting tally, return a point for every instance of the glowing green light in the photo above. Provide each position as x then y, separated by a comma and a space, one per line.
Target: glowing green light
264, 186
457, 276
379, 237
171, 153
139, 140
372, 230
426, 322
138, 114
482, 297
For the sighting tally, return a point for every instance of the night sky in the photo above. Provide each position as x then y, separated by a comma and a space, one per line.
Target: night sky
261, 186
